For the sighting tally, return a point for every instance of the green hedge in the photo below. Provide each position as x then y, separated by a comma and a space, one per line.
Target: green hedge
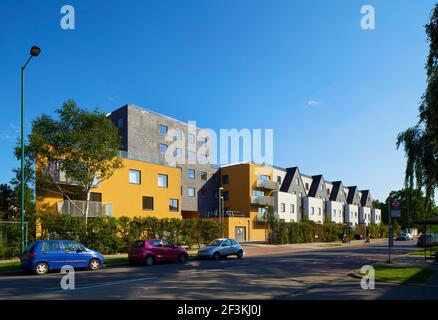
308, 231
114, 235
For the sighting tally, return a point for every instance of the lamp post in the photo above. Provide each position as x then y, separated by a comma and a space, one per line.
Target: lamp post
220, 212
34, 52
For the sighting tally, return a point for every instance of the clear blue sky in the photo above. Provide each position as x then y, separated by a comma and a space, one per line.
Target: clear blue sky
335, 95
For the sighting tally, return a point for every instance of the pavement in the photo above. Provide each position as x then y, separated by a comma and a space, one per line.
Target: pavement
291, 272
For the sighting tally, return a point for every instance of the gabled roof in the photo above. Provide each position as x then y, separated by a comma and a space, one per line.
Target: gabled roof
363, 200
316, 180
335, 190
351, 194
290, 173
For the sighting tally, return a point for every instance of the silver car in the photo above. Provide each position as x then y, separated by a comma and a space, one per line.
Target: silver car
221, 248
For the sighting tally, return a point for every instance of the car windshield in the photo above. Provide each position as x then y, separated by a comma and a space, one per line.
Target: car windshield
215, 243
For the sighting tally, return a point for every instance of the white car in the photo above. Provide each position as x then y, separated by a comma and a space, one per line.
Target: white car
405, 236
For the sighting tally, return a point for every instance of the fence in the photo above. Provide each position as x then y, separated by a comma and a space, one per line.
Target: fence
10, 238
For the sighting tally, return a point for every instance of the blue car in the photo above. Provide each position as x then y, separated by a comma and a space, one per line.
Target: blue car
44, 255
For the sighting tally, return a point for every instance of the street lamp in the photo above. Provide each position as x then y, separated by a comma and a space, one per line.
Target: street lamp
220, 208
34, 52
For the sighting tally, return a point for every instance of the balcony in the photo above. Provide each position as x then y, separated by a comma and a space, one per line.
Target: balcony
262, 200
76, 208
268, 184
226, 214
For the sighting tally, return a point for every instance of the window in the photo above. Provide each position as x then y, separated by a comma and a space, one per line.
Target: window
307, 186
71, 246
51, 246
334, 213
156, 243
191, 138
203, 158
203, 175
148, 203
292, 208
191, 192
162, 180
313, 211
297, 181
178, 134
258, 193
177, 153
319, 211
191, 174
163, 129
226, 195
322, 187
163, 148
225, 179
328, 191
191, 156
301, 194
134, 176
173, 204
279, 179
203, 140
282, 207
263, 177
226, 243
120, 123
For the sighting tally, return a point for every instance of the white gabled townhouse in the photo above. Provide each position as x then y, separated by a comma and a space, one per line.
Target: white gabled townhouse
336, 202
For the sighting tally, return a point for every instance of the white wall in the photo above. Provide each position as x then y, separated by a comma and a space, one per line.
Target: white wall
351, 214
278, 173
335, 211
287, 199
318, 209
376, 216
365, 215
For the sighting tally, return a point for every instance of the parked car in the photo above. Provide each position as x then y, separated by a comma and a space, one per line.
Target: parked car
221, 248
155, 250
404, 236
44, 255
427, 239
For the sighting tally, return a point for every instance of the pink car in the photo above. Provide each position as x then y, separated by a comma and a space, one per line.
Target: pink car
155, 250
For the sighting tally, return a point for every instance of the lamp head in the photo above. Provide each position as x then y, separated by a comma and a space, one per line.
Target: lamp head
35, 51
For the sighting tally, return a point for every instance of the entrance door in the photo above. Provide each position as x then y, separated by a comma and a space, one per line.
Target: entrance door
240, 233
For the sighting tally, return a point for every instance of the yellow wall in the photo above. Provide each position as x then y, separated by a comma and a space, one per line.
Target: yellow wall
242, 180
126, 198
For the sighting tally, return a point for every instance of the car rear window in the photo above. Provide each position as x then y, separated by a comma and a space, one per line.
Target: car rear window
31, 247
139, 244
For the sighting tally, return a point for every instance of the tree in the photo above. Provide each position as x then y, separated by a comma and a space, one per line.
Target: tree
79, 143
421, 141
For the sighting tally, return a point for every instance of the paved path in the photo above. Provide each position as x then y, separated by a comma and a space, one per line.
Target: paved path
314, 274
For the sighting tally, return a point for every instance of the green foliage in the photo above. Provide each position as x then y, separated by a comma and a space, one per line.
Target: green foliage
420, 142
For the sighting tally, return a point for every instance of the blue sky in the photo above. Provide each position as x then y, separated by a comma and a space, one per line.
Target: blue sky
335, 95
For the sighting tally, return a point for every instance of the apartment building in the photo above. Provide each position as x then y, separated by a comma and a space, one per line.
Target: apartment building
139, 189
152, 136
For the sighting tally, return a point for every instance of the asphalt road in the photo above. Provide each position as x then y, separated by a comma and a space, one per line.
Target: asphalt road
316, 274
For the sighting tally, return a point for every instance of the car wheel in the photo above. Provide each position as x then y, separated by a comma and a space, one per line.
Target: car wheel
216, 256
149, 260
240, 254
182, 258
94, 264
41, 268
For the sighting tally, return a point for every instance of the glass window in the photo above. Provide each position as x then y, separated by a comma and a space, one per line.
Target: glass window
226, 195
263, 177
191, 138
258, 193
162, 180
50, 246
319, 211
163, 148
178, 134
313, 210
203, 140
203, 158
191, 156
191, 174
191, 192
225, 179
203, 175
297, 181
134, 176
148, 203
71, 246
177, 153
279, 179
163, 129
283, 207
292, 208
173, 204
307, 186
156, 243
120, 123
226, 243
322, 187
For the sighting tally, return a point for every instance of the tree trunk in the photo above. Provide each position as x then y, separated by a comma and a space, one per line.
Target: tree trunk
87, 208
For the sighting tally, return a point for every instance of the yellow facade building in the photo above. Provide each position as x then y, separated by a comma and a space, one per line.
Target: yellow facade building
139, 189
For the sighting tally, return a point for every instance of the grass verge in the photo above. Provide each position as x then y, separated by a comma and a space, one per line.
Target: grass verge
434, 250
402, 274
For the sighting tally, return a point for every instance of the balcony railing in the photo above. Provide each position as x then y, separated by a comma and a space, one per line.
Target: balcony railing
76, 208
262, 200
231, 214
268, 184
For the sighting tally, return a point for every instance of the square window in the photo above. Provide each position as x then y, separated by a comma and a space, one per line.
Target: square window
148, 203
163, 129
162, 180
173, 205
134, 176
226, 195
191, 192
191, 174
225, 179
163, 148
203, 175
